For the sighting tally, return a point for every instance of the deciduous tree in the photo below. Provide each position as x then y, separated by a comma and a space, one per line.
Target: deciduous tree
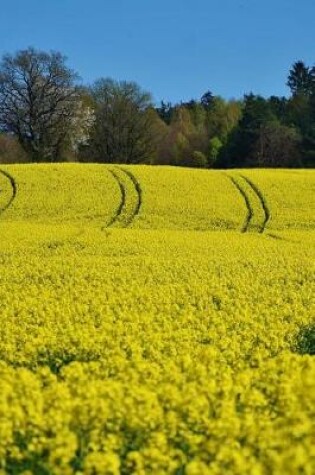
277, 146
39, 102
122, 131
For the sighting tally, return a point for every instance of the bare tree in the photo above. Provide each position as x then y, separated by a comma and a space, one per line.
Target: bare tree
39, 102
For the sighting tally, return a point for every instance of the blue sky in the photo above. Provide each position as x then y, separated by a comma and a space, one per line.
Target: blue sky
176, 49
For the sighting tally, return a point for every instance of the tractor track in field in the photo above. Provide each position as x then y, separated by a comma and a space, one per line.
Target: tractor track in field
263, 203
250, 209
118, 217
122, 203
138, 190
13, 188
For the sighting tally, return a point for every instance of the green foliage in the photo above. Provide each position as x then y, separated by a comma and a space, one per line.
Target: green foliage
215, 145
277, 146
199, 160
122, 130
222, 117
301, 79
257, 113
305, 341
115, 121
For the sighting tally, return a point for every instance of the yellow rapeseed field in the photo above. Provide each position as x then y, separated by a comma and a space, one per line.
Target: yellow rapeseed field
156, 321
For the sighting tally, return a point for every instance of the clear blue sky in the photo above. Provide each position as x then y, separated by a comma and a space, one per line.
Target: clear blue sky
176, 49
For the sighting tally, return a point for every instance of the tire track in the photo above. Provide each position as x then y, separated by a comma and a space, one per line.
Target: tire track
122, 216
138, 190
14, 191
251, 214
250, 211
122, 203
267, 214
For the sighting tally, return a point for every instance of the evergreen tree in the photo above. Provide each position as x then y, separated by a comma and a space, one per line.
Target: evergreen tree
300, 79
243, 138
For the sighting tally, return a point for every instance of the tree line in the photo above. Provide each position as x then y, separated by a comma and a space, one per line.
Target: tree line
46, 115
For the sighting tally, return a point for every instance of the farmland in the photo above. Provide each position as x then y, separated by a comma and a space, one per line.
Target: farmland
156, 320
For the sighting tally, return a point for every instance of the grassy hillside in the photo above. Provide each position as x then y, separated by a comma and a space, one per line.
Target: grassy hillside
156, 320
